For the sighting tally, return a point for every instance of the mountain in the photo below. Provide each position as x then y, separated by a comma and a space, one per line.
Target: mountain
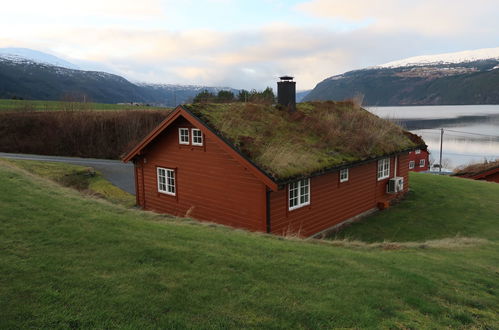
31, 55
470, 77
30, 74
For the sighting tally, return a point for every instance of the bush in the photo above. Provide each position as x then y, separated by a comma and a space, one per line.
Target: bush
97, 134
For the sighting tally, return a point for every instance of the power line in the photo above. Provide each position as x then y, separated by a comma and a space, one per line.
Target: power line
450, 130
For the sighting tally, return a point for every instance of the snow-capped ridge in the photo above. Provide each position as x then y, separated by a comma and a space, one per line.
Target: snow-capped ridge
26, 55
446, 58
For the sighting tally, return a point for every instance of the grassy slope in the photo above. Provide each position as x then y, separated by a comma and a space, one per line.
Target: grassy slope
72, 261
79, 177
34, 105
436, 207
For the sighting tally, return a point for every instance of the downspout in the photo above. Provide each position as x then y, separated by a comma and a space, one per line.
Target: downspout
267, 202
396, 163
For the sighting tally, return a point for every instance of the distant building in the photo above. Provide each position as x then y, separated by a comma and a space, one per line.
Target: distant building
488, 171
298, 169
419, 160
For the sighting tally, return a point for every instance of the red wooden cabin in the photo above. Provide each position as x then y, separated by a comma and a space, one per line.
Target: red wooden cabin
419, 160
487, 171
263, 169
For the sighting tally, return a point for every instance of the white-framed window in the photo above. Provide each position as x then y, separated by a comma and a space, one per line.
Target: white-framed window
166, 181
183, 135
417, 151
344, 175
197, 137
412, 164
299, 194
383, 168
422, 163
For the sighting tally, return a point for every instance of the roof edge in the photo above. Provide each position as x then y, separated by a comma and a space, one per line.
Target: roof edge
336, 168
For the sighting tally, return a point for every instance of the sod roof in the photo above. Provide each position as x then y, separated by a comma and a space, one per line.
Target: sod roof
475, 169
318, 136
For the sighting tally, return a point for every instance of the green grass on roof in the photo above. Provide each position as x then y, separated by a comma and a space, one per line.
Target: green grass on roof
319, 135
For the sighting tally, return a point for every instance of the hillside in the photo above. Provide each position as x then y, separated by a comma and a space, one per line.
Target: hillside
427, 80
43, 79
68, 261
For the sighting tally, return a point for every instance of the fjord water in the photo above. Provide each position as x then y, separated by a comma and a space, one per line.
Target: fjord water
471, 132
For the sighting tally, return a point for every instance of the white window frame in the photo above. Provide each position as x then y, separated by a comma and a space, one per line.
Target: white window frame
383, 168
344, 175
194, 137
422, 162
181, 136
417, 151
412, 164
298, 187
166, 181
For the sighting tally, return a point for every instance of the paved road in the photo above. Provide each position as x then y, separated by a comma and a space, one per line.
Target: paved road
119, 173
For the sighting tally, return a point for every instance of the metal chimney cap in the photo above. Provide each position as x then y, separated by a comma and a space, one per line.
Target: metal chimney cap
286, 78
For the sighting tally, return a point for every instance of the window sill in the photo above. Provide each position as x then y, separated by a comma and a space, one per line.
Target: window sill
298, 206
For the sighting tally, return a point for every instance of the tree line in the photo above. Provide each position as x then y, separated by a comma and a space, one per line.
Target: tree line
225, 96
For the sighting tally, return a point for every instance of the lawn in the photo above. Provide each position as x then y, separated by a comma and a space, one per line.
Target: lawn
436, 207
7, 105
72, 261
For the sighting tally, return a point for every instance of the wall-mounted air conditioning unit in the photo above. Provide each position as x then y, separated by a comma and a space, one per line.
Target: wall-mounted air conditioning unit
395, 185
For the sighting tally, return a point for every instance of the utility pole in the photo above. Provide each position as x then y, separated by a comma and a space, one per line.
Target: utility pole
441, 142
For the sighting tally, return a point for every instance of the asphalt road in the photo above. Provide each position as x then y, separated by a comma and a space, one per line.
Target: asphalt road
117, 172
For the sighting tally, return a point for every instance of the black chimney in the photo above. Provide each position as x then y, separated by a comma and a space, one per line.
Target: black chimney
286, 93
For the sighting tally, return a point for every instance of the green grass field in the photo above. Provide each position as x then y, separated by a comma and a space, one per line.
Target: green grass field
7, 105
71, 261
435, 208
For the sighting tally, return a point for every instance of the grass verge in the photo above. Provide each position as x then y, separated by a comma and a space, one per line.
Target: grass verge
82, 178
68, 261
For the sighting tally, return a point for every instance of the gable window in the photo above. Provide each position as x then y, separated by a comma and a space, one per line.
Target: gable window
197, 137
299, 194
344, 175
418, 151
183, 135
411, 164
383, 168
166, 181
422, 163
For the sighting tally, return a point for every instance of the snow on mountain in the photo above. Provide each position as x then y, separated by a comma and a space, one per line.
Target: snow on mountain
185, 87
447, 58
23, 55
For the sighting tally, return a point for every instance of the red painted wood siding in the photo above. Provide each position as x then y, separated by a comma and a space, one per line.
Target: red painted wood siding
424, 154
493, 177
332, 202
211, 185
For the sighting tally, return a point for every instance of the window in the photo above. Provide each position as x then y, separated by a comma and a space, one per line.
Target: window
299, 194
418, 151
383, 168
197, 137
183, 135
411, 164
344, 175
422, 163
166, 181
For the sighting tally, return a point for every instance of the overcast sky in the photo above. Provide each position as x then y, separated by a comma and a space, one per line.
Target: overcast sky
245, 44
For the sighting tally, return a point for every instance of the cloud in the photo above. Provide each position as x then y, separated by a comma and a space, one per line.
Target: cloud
432, 17
249, 57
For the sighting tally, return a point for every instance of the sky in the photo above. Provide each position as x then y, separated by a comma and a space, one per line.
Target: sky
246, 43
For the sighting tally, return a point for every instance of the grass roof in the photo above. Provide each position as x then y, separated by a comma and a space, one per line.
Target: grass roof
316, 137
477, 168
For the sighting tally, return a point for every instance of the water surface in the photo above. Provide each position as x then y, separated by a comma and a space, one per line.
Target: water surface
471, 132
